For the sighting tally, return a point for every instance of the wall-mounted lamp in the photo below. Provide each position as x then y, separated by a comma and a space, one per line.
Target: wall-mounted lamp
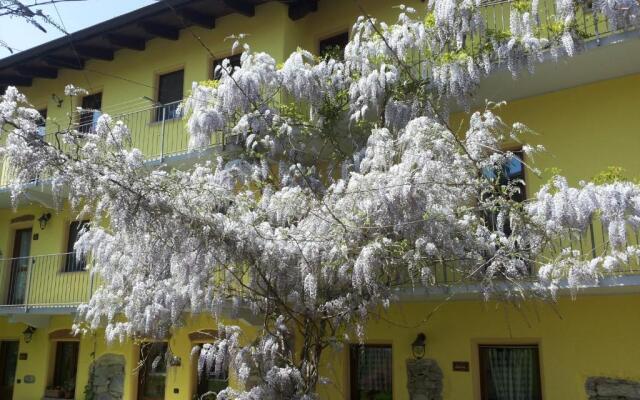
174, 361
28, 333
419, 345
44, 219
57, 100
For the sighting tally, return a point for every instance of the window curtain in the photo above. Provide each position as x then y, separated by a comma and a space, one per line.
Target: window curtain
513, 373
375, 369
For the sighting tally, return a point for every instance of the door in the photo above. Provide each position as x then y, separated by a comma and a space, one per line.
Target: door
20, 267
152, 373
8, 362
90, 113
65, 368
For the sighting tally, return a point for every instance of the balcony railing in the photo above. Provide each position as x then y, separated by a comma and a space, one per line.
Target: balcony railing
61, 281
591, 243
158, 132
55, 280
588, 24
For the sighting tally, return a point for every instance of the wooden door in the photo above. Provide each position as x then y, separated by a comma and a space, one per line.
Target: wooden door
8, 363
153, 371
20, 267
91, 105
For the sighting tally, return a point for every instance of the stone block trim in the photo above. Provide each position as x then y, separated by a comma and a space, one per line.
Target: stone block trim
604, 388
108, 377
424, 380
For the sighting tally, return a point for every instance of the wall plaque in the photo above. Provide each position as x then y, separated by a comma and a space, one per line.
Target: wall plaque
23, 356
462, 366
29, 379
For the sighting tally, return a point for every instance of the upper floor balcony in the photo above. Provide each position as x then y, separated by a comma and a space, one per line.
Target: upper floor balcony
58, 283
448, 281
588, 24
157, 131
44, 283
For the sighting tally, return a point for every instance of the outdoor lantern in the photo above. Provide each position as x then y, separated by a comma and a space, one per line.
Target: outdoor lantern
56, 99
44, 218
28, 333
418, 346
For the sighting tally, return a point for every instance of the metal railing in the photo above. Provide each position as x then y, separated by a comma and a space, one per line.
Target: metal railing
588, 24
54, 280
158, 131
593, 242
61, 280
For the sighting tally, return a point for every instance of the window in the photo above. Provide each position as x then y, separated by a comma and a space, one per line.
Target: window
510, 372
73, 263
334, 46
42, 122
152, 373
234, 61
90, 113
211, 383
170, 90
512, 171
207, 383
370, 372
20, 263
66, 364
8, 363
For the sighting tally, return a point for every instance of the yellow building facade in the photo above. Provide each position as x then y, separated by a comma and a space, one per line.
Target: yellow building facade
584, 109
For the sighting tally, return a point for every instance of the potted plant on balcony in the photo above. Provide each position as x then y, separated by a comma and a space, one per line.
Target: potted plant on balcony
69, 388
53, 392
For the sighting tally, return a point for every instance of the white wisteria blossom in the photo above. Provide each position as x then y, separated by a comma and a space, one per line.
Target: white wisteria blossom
340, 182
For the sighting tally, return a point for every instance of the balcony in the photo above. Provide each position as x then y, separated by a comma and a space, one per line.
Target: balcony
448, 280
47, 284
158, 132
588, 25
43, 283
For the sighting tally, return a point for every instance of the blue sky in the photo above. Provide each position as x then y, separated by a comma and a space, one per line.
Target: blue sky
75, 15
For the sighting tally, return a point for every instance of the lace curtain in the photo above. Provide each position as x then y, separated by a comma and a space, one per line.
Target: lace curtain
513, 373
375, 369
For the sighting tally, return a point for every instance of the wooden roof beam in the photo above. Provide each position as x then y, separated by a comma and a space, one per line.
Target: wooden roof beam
98, 53
163, 31
243, 7
38, 72
300, 8
197, 18
64, 62
128, 42
6, 80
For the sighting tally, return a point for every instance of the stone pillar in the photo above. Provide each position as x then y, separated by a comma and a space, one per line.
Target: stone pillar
108, 377
603, 388
424, 380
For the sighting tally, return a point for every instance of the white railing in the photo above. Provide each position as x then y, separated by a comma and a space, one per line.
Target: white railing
54, 280
158, 132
